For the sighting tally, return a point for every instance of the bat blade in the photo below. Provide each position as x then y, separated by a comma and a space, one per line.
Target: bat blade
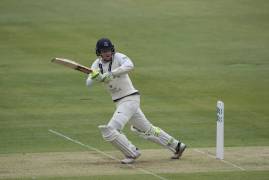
72, 64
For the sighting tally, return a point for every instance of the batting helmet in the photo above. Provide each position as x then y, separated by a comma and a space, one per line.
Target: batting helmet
104, 44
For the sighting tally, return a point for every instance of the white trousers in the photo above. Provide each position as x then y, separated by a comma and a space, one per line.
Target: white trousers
128, 110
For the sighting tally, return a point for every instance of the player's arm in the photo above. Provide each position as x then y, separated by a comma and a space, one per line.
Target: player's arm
90, 80
126, 65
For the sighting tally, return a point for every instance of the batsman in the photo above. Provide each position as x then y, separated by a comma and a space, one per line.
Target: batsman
111, 68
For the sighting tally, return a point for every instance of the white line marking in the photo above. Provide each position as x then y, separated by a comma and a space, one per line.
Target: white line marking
105, 154
226, 162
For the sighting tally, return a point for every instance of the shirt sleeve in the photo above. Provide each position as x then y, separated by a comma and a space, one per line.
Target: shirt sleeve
89, 81
126, 65
95, 65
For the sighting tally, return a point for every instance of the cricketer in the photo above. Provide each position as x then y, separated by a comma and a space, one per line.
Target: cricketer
111, 68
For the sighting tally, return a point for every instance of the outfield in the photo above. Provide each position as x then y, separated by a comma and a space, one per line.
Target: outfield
187, 54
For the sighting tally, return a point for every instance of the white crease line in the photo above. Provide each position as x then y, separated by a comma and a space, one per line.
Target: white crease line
226, 162
105, 154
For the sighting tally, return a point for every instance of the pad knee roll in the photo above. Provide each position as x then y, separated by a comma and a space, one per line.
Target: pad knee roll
158, 136
119, 141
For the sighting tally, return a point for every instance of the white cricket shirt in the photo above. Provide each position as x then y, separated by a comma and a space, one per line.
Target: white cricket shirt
121, 85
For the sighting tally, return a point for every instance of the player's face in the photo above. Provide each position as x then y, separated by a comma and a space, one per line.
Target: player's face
106, 54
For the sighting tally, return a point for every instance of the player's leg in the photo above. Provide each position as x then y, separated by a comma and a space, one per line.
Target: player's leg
120, 141
142, 127
123, 113
112, 132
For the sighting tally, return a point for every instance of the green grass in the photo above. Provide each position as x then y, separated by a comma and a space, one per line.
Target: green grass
188, 55
250, 175
262, 175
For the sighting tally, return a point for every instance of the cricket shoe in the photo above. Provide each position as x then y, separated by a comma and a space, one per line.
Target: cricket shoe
179, 150
130, 160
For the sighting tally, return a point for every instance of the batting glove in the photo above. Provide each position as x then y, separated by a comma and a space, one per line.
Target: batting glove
96, 75
106, 77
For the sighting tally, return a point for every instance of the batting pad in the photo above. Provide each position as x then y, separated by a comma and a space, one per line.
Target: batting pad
158, 136
119, 141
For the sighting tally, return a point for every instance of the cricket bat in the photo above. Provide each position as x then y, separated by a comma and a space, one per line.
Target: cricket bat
72, 64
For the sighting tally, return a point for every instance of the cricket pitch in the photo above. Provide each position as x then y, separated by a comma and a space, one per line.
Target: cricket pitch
90, 163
